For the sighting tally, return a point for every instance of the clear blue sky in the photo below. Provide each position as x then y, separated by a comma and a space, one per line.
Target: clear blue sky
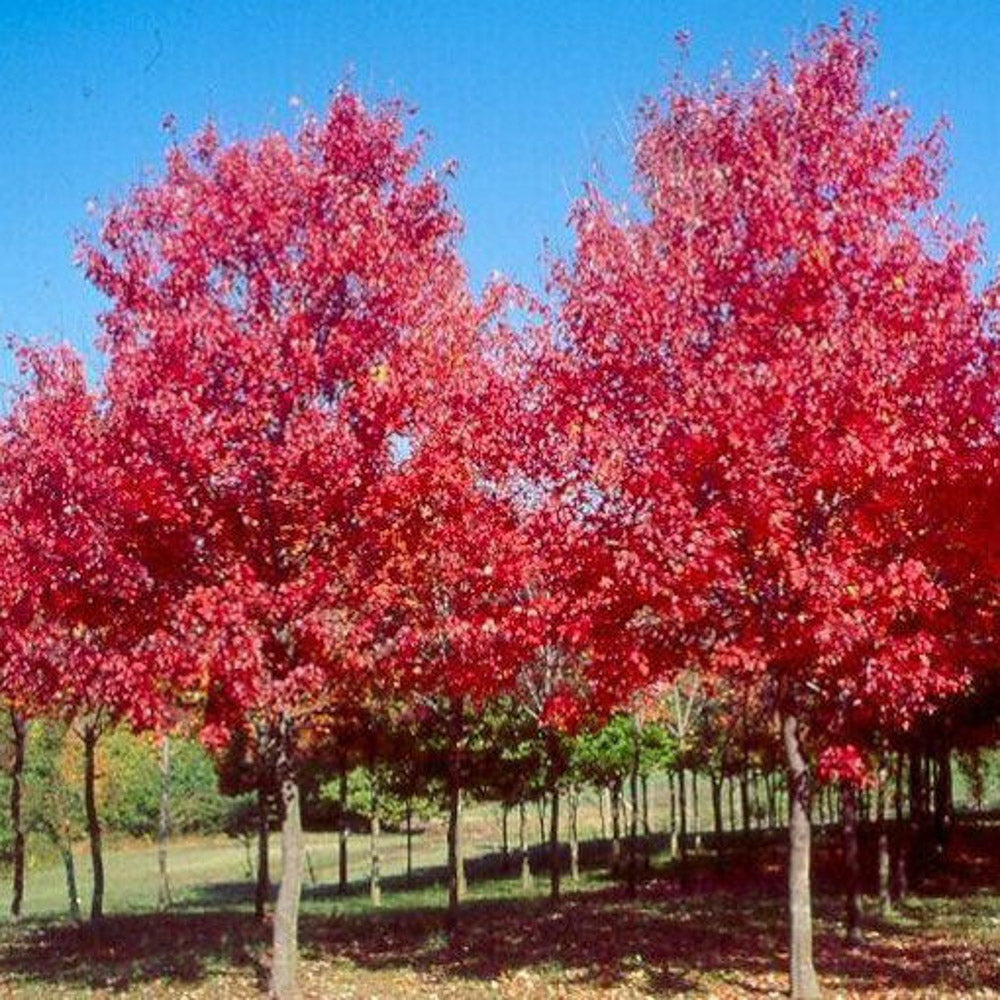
527, 96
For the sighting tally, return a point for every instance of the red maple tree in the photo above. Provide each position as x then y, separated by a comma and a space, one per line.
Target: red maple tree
289, 320
768, 375
82, 611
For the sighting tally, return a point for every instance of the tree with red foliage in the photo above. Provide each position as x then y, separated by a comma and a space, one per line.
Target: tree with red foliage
768, 376
81, 609
453, 591
289, 321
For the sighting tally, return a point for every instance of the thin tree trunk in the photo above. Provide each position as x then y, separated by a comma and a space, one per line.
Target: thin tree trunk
943, 805
463, 879
644, 779
902, 880
672, 793
286, 912
772, 801
90, 735
616, 826
805, 985
20, 731
926, 785
409, 840
66, 850
375, 833
574, 839
542, 810
716, 780
695, 810
682, 811
852, 863
884, 863
633, 829
745, 801
602, 794
456, 847
262, 892
555, 865
344, 834
522, 834
505, 834
731, 789
454, 841
917, 817
164, 897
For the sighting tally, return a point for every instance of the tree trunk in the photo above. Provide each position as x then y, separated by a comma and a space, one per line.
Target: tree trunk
286, 912
644, 779
262, 893
540, 807
602, 794
616, 826
852, 862
772, 801
682, 811
902, 881
505, 838
672, 794
884, 898
731, 794
164, 897
345, 833
90, 735
805, 985
20, 731
454, 842
917, 818
463, 880
457, 887
555, 866
574, 838
943, 804
522, 834
717, 808
756, 813
374, 838
927, 784
695, 810
745, 801
66, 850
409, 840
633, 829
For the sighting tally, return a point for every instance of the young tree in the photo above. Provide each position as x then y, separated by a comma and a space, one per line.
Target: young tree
82, 609
767, 376
289, 320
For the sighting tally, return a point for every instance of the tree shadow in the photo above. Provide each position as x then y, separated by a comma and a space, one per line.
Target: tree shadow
713, 925
127, 950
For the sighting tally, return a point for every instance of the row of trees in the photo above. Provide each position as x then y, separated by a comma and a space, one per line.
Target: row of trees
751, 437
711, 792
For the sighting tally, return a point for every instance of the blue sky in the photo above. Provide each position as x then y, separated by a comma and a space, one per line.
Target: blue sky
531, 99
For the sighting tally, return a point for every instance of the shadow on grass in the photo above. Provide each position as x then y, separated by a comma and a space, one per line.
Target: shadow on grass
712, 927
131, 949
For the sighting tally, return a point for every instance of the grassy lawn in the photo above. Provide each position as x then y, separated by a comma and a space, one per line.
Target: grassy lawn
716, 929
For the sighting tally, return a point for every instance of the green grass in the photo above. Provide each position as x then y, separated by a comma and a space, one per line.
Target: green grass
208, 872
